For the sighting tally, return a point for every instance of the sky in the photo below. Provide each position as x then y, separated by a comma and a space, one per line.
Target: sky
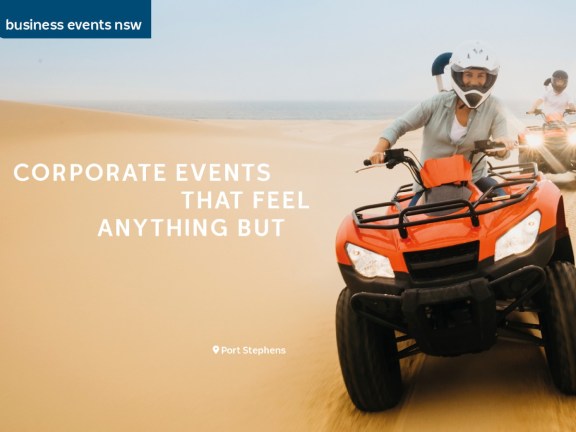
295, 50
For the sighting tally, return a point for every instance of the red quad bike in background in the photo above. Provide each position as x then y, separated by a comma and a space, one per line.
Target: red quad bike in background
552, 145
453, 275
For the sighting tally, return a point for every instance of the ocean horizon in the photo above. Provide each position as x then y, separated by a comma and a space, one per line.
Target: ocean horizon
267, 110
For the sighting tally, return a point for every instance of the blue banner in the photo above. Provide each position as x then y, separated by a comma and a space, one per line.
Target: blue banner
72, 19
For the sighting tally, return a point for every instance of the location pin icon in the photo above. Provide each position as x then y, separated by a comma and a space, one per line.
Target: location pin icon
215, 348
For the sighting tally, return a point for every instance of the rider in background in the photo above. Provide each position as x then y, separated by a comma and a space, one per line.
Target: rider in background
555, 99
453, 120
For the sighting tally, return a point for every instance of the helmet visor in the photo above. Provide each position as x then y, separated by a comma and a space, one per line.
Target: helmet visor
473, 88
466, 84
559, 84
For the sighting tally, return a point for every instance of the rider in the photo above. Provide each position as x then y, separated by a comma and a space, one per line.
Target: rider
555, 100
453, 120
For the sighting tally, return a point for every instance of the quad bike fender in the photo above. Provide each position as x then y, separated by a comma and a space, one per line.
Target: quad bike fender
553, 237
563, 248
546, 199
385, 242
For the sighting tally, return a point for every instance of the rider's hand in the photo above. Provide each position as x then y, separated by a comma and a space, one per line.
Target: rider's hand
376, 158
377, 155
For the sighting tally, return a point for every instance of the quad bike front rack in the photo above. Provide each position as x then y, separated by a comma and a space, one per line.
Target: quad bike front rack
363, 220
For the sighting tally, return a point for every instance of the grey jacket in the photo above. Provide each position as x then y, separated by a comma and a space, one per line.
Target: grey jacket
437, 115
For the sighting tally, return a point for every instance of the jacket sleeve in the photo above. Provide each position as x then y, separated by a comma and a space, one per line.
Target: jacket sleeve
413, 119
500, 128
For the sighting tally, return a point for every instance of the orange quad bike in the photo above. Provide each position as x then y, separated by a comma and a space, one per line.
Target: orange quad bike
552, 145
454, 274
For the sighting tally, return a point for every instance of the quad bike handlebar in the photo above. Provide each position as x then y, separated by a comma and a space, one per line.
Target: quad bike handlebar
488, 146
539, 112
396, 156
393, 157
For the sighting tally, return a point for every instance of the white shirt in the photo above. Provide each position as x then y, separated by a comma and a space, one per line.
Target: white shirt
457, 131
554, 102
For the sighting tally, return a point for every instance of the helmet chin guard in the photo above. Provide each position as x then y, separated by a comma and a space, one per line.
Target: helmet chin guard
473, 55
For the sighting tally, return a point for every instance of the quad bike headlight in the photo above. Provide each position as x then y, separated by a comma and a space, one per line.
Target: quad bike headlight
520, 238
369, 264
534, 140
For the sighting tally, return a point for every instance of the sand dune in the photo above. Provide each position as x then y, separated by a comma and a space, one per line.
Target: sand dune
117, 333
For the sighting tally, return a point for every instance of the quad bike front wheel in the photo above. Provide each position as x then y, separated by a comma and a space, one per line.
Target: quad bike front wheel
558, 323
368, 358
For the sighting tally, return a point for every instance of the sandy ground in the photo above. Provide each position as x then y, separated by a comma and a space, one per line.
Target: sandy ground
118, 333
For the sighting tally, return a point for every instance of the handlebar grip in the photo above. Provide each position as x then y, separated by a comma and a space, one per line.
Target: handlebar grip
487, 145
367, 162
391, 163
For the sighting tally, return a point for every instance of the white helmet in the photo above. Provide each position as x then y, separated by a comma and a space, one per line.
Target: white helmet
473, 55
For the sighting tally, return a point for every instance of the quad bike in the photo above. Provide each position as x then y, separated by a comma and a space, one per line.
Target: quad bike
552, 145
454, 274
